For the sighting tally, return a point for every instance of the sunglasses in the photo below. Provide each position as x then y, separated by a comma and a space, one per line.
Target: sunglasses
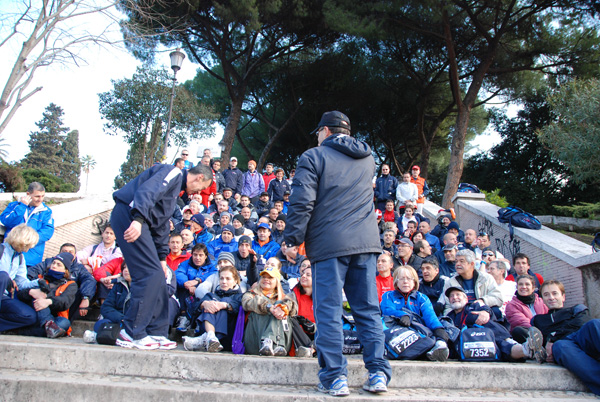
488, 254
184, 154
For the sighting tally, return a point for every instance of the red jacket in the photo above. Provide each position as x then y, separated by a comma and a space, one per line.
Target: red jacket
384, 285
173, 262
267, 178
113, 267
208, 191
519, 315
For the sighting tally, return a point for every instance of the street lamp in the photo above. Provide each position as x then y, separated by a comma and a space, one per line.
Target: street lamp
176, 60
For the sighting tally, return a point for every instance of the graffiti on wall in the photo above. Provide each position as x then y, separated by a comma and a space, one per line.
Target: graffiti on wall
98, 225
508, 248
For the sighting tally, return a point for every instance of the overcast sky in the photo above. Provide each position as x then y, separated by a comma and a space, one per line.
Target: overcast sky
76, 88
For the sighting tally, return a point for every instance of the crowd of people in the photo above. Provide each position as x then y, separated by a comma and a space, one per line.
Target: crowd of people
231, 273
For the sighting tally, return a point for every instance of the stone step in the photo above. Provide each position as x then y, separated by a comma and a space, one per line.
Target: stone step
36, 385
72, 355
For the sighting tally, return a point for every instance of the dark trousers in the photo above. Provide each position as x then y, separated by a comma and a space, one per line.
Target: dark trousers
148, 312
580, 353
13, 312
355, 274
520, 334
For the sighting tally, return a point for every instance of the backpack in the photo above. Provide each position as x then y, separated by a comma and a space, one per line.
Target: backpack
595, 243
96, 246
468, 188
517, 217
477, 344
2, 253
407, 343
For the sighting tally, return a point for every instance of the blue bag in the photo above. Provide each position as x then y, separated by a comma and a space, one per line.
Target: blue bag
468, 188
407, 343
477, 344
517, 217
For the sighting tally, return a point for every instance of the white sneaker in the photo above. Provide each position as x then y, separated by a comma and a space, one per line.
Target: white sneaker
164, 342
124, 340
89, 336
439, 352
194, 343
213, 345
146, 343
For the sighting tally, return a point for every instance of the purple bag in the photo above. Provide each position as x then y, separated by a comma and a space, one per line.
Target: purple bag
237, 343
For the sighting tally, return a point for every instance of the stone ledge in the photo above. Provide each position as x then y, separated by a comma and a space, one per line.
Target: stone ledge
561, 246
33, 385
72, 355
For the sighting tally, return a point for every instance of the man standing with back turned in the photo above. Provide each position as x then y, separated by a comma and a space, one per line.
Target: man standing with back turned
342, 247
140, 220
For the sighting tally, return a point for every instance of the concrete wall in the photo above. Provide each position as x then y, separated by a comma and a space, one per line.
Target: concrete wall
552, 254
79, 222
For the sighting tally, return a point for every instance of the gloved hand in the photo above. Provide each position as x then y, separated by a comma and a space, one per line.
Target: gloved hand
43, 286
404, 320
440, 333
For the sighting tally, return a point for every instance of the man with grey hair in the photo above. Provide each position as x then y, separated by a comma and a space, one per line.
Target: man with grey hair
30, 209
479, 287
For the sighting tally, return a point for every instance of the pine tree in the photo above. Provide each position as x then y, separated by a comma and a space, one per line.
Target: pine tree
45, 145
71, 165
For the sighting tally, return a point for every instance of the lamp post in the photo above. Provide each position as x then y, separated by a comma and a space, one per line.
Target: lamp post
222, 147
177, 57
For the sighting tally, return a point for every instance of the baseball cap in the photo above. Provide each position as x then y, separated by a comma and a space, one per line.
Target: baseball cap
228, 228
273, 272
333, 119
199, 219
416, 168
245, 239
451, 288
449, 247
263, 225
406, 240
233, 158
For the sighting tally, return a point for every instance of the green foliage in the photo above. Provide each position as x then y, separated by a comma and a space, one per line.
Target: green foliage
525, 171
494, 197
585, 210
137, 107
130, 169
574, 137
11, 179
45, 145
71, 165
52, 183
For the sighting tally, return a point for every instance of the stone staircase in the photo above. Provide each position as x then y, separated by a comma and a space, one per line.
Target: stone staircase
31, 369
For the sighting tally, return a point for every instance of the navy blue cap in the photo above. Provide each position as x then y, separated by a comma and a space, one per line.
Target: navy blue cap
333, 119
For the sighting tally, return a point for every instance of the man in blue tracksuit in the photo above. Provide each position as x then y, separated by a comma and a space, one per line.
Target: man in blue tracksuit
331, 210
30, 209
140, 220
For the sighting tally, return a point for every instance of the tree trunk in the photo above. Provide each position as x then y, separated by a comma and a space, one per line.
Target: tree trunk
455, 168
233, 122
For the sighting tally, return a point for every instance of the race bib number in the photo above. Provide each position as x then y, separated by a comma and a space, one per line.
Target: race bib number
479, 350
401, 342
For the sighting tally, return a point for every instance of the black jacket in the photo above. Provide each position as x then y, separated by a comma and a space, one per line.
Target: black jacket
85, 281
152, 196
558, 323
331, 206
